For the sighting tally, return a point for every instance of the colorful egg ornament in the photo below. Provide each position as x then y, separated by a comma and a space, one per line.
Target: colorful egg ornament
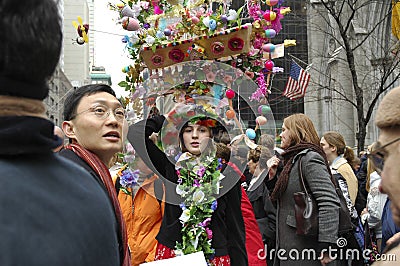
230, 114
230, 94
270, 33
250, 133
261, 120
271, 2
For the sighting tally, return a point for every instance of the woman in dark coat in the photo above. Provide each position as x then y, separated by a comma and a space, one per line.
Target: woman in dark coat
301, 142
228, 239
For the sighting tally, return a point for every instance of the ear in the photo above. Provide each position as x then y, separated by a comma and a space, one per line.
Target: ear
334, 149
68, 128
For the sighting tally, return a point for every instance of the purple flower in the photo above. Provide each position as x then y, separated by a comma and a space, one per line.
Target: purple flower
129, 178
125, 39
196, 183
214, 205
209, 233
146, 26
201, 171
220, 164
179, 181
205, 222
183, 206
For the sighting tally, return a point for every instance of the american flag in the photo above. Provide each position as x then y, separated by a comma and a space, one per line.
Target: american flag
297, 82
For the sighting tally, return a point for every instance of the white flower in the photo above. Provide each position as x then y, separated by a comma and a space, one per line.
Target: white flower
178, 252
185, 216
206, 21
232, 14
136, 10
180, 190
134, 39
198, 196
144, 4
150, 39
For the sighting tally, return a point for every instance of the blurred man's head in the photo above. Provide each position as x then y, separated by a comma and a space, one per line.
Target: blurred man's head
30, 46
387, 150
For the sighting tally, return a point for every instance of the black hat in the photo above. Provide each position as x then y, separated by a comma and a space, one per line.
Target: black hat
20, 88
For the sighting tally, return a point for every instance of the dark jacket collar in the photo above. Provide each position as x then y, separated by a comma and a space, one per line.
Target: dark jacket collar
26, 135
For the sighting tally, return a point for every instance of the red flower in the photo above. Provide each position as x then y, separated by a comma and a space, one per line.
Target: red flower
207, 123
217, 48
176, 55
236, 44
157, 60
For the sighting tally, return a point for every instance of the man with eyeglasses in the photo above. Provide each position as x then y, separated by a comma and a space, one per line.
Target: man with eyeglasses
93, 122
386, 157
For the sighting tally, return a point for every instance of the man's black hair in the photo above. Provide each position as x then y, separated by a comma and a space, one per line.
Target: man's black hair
74, 98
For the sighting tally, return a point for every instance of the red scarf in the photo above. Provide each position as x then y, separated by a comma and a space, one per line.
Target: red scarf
102, 171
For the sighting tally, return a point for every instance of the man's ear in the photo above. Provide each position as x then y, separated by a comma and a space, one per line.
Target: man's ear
68, 128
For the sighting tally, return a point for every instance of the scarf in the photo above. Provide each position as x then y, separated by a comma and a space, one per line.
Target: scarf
288, 156
17, 106
26, 135
102, 171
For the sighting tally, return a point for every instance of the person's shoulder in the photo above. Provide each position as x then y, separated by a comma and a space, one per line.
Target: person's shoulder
310, 155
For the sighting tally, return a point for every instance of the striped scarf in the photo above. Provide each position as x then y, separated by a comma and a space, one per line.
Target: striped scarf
102, 171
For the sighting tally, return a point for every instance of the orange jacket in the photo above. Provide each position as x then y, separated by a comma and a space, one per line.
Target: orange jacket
143, 216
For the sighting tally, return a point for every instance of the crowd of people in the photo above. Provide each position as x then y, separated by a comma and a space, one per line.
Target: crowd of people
113, 196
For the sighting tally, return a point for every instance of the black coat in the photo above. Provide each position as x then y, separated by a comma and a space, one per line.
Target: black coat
264, 209
52, 212
227, 222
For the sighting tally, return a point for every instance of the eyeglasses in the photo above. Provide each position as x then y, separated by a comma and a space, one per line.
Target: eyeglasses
378, 158
103, 112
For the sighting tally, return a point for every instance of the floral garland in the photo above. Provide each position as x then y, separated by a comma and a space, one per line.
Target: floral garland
198, 185
128, 178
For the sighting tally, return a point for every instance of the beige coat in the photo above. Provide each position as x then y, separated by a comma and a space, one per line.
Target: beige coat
344, 168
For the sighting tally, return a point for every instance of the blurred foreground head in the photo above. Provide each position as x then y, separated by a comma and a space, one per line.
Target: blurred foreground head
30, 45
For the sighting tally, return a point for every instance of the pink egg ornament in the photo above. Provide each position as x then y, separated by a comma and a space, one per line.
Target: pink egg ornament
230, 94
130, 24
268, 47
261, 120
269, 65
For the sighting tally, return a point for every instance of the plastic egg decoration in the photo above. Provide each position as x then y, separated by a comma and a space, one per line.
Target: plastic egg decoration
270, 33
125, 69
271, 2
263, 109
269, 15
130, 24
269, 65
250, 133
261, 120
167, 32
230, 114
268, 47
230, 93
